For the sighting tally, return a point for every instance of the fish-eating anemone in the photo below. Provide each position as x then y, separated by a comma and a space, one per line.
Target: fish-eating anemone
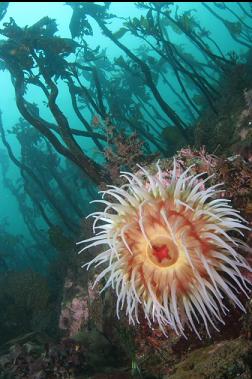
170, 246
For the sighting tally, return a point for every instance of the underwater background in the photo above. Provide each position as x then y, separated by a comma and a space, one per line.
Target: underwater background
89, 90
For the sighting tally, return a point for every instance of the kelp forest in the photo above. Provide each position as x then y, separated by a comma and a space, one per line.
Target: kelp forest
163, 86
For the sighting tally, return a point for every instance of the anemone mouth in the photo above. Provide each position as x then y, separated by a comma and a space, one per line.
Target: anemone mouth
162, 252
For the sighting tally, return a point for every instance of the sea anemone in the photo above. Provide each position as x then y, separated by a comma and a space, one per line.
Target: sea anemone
171, 249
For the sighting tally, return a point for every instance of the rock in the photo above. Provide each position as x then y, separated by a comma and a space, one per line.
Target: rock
227, 359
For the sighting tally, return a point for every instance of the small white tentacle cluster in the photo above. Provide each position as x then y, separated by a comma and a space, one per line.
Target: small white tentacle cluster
169, 245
